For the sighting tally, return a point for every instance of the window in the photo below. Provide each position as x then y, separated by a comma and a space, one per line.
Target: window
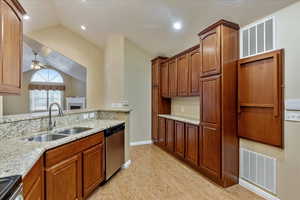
258, 38
46, 87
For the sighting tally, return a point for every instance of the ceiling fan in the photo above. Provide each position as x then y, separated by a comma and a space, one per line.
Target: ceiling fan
35, 64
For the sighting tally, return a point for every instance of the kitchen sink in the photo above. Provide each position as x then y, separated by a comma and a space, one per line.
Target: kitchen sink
45, 137
74, 130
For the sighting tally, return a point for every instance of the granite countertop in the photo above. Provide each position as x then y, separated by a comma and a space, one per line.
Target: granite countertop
18, 156
181, 119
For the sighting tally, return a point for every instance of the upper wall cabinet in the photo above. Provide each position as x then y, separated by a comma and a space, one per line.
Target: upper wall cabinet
210, 48
173, 77
11, 30
164, 79
183, 75
194, 72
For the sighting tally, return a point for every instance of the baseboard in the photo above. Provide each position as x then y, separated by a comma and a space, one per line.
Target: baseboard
257, 190
127, 164
141, 143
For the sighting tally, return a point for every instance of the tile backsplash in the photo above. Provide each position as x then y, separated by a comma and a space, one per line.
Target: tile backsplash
186, 107
28, 126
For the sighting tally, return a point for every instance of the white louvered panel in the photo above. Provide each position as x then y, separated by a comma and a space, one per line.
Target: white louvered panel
258, 169
258, 38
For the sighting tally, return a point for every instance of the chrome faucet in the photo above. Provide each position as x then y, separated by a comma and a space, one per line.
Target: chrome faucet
60, 113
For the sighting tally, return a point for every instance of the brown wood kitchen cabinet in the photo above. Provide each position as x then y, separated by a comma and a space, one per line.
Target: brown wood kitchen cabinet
173, 77
11, 46
183, 75
162, 132
160, 105
93, 168
208, 70
33, 182
194, 71
191, 144
165, 92
179, 138
74, 170
170, 135
64, 179
219, 49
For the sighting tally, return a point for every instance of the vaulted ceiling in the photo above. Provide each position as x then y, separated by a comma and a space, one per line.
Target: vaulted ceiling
148, 23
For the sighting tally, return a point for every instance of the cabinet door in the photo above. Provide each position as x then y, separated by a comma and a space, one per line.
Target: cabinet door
211, 150
11, 48
191, 143
155, 74
36, 191
210, 50
170, 134
165, 79
194, 72
93, 168
162, 132
33, 182
155, 102
64, 180
179, 139
183, 75
173, 77
210, 100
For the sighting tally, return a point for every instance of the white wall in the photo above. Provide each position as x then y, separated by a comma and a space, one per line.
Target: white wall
288, 37
114, 79
81, 51
138, 91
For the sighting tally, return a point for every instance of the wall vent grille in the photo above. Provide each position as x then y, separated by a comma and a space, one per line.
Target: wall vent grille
258, 169
258, 38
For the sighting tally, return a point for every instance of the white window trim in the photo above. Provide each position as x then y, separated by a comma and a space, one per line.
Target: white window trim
255, 24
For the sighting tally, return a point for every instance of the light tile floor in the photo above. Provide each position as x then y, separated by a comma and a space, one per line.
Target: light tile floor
156, 175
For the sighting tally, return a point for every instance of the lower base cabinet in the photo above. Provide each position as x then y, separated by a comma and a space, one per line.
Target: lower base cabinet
161, 132
63, 180
33, 182
211, 146
93, 168
68, 172
179, 139
191, 144
170, 136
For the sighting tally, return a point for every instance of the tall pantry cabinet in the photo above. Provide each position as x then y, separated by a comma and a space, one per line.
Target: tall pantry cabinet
159, 105
219, 48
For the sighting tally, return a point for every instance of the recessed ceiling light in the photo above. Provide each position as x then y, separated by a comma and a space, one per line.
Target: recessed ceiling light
177, 25
26, 17
83, 27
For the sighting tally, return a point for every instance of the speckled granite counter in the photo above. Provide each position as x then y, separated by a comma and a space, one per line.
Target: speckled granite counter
181, 119
18, 156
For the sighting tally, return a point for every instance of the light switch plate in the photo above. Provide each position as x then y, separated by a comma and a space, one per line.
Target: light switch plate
292, 116
292, 104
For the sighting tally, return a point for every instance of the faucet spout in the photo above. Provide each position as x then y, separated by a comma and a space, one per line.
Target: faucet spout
60, 113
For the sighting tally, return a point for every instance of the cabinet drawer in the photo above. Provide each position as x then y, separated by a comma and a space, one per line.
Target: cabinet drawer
67, 150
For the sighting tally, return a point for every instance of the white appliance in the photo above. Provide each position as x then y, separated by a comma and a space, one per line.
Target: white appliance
73, 103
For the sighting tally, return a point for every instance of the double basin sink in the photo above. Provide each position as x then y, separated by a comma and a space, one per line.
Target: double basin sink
58, 135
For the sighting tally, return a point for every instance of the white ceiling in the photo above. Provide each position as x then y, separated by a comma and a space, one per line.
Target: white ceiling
148, 23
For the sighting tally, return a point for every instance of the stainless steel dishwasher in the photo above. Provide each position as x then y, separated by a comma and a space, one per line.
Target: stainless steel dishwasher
114, 146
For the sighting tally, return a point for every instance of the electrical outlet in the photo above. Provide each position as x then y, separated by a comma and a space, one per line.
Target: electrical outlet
92, 115
85, 116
